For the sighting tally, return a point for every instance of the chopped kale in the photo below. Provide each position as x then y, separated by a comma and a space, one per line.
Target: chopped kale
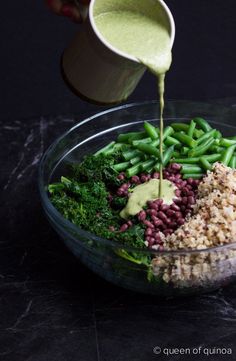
97, 168
87, 197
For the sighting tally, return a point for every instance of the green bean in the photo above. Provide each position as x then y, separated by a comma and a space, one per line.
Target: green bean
200, 132
150, 169
212, 157
146, 165
227, 155
148, 149
193, 176
217, 142
134, 170
121, 166
202, 149
129, 154
176, 154
224, 142
137, 136
121, 146
104, 149
124, 138
216, 148
205, 136
55, 187
108, 152
218, 134
157, 167
184, 151
117, 146
186, 160
232, 162
178, 127
167, 132
167, 155
190, 169
150, 130
185, 139
155, 143
139, 141
135, 160
205, 164
172, 141
203, 124
191, 128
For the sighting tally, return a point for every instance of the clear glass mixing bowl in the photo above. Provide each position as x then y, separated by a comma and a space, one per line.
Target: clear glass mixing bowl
166, 273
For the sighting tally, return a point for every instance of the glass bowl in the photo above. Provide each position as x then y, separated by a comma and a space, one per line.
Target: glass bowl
165, 274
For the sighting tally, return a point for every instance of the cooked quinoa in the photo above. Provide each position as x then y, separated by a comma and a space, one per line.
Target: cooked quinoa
212, 224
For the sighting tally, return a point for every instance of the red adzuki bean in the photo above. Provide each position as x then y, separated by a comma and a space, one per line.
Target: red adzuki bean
180, 221
124, 227
185, 200
156, 175
176, 166
170, 213
143, 178
153, 205
148, 232
175, 207
158, 223
121, 177
135, 179
178, 215
151, 241
177, 201
152, 212
142, 216
154, 218
173, 225
178, 192
148, 224
162, 215
167, 231
191, 200
164, 207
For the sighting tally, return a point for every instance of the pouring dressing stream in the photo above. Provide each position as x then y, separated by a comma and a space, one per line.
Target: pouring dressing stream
144, 34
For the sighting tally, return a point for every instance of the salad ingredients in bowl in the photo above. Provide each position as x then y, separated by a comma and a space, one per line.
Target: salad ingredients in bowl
106, 203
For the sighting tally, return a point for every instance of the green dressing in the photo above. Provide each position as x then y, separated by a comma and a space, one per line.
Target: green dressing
140, 29
139, 35
147, 192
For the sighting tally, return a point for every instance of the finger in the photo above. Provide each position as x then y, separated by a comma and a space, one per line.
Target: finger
54, 5
72, 12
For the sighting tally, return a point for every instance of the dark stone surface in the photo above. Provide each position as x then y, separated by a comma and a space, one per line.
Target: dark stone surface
51, 307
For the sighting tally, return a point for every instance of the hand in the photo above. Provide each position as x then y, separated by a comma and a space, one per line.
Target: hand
67, 8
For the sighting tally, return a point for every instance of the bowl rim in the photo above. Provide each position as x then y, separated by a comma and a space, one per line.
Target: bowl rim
57, 216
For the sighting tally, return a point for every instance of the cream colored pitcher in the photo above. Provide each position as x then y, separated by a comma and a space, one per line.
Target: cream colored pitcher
93, 68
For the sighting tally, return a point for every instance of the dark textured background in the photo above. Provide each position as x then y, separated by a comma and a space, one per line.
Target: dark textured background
51, 307
32, 40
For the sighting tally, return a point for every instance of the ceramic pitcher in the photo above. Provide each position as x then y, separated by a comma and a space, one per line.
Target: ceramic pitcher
93, 68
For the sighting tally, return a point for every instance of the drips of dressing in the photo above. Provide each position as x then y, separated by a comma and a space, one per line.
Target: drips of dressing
147, 192
146, 37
